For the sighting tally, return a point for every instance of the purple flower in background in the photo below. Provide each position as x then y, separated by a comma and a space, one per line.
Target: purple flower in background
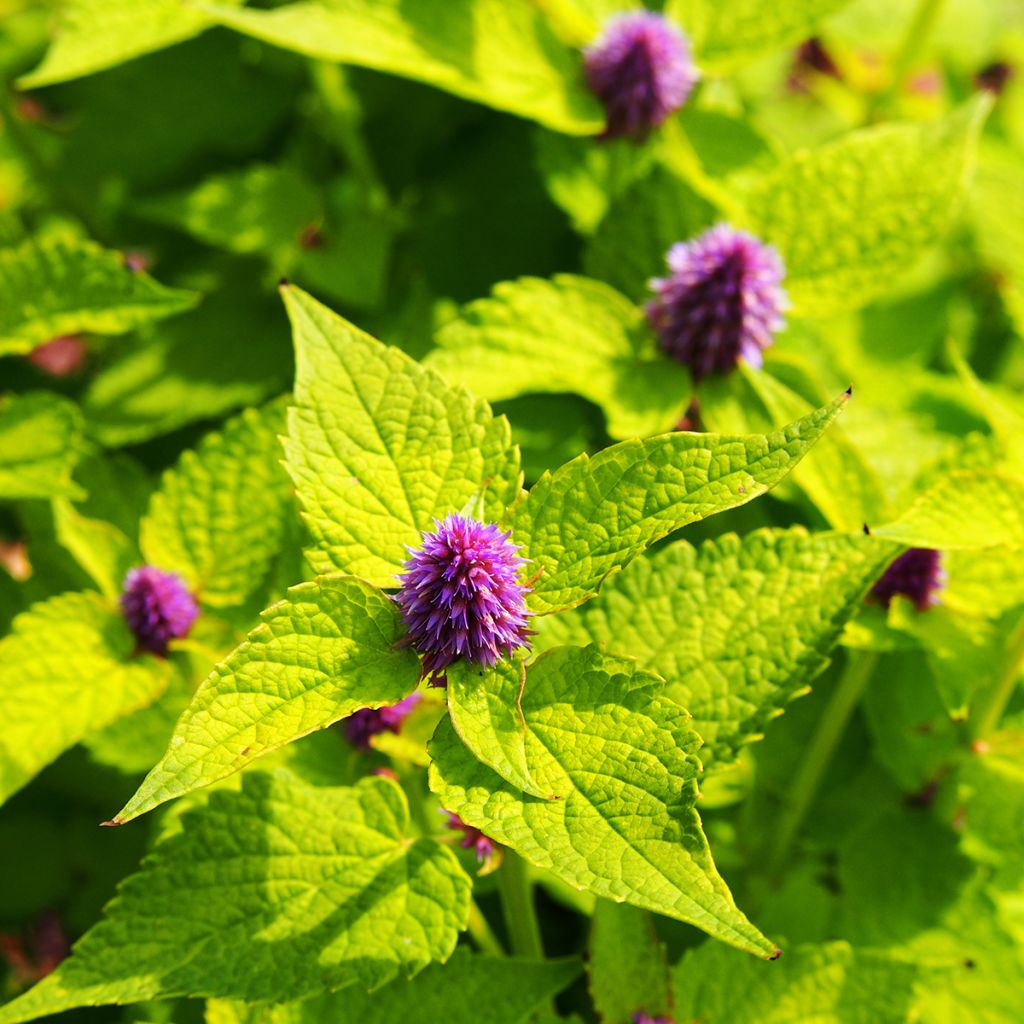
473, 839
917, 574
368, 722
157, 607
722, 301
461, 596
646, 1018
640, 67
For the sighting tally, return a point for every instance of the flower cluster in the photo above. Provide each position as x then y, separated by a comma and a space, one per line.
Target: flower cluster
461, 596
157, 607
916, 574
722, 301
641, 69
473, 839
366, 723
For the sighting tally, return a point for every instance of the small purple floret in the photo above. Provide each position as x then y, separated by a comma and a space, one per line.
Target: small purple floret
365, 723
640, 67
722, 301
461, 596
473, 839
646, 1018
158, 607
916, 574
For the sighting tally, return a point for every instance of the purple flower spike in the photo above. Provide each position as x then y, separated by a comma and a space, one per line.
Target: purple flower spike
461, 596
917, 574
368, 722
473, 839
157, 607
641, 69
646, 1018
722, 301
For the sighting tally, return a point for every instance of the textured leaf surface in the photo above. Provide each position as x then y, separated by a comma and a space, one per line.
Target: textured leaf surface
828, 984
322, 653
499, 52
275, 892
567, 334
91, 35
738, 626
67, 670
218, 517
622, 761
99, 547
882, 196
62, 286
39, 445
627, 967
991, 785
509, 987
727, 34
379, 446
593, 515
964, 510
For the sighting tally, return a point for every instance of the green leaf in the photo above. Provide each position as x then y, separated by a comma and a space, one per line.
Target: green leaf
510, 988
91, 35
40, 439
882, 197
325, 651
275, 892
627, 967
501, 53
258, 209
965, 510
738, 626
830, 983
378, 446
568, 334
99, 547
67, 670
218, 517
726, 35
593, 515
623, 762
991, 790
60, 286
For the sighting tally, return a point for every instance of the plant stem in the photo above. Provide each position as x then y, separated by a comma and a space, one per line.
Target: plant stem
481, 933
859, 667
517, 905
986, 714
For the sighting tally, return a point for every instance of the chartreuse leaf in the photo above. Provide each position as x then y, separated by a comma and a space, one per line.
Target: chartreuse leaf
991, 790
510, 988
55, 286
729, 34
40, 436
627, 967
325, 651
274, 892
567, 334
738, 626
379, 445
593, 515
622, 761
218, 517
91, 35
99, 547
882, 196
831, 983
68, 669
502, 53
965, 510
259, 209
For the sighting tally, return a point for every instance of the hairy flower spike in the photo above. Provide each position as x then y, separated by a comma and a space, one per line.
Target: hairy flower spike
365, 723
157, 607
461, 596
722, 301
640, 67
917, 574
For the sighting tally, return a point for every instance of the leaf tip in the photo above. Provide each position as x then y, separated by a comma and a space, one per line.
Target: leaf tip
849, 392
283, 283
775, 954
113, 822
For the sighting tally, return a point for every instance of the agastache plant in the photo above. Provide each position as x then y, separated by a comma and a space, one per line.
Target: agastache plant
157, 607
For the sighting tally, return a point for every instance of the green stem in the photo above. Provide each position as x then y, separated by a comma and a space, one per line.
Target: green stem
985, 714
516, 894
818, 755
481, 932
